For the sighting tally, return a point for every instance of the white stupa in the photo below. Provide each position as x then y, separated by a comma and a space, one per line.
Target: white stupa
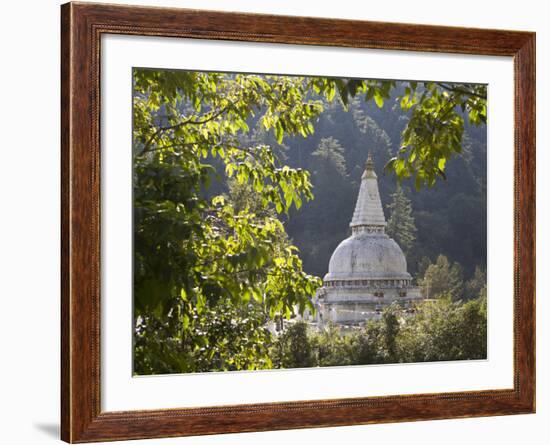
368, 270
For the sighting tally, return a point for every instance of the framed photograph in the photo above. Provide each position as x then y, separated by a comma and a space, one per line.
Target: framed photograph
274, 222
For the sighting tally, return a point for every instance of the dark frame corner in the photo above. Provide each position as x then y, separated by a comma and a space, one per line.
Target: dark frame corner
82, 25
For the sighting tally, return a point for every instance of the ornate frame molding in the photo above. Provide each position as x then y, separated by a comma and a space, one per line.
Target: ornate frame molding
82, 25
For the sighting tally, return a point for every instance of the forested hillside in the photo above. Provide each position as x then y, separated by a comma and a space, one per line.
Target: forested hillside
450, 218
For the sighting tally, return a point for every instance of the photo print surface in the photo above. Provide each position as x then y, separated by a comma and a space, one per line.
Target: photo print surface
294, 222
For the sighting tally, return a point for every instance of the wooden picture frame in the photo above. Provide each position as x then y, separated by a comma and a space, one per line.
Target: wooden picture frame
82, 26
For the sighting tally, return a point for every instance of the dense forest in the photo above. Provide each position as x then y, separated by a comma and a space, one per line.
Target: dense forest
243, 186
449, 219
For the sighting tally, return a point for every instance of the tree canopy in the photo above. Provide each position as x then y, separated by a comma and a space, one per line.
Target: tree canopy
440, 330
201, 262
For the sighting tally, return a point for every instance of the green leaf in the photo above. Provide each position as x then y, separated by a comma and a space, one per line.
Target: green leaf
185, 321
331, 92
279, 132
218, 200
378, 99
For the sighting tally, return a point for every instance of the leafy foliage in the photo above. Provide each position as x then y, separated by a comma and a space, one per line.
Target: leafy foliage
440, 330
203, 263
293, 348
433, 134
477, 285
442, 279
445, 330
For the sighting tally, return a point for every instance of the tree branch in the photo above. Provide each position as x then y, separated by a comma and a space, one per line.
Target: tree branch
461, 91
188, 121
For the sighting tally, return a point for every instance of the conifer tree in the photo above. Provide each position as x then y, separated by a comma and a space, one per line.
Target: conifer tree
477, 285
401, 225
329, 158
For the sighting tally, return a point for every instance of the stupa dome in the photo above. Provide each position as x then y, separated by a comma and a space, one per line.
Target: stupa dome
367, 256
